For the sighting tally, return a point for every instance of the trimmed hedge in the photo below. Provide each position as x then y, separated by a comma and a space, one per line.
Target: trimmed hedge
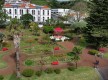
38, 73
49, 70
28, 72
72, 68
57, 71
93, 52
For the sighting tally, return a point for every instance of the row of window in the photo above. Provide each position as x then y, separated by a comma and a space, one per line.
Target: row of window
39, 19
33, 12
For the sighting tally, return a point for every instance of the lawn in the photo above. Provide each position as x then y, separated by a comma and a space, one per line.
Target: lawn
82, 73
2, 63
106, 55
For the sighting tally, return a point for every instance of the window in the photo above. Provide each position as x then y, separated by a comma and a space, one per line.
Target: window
43, 12
9, 11
43, 19
27, 11
15, 11
38, 12
22, 12
48, 12
33, 12
38, 19
15, 16
34, 18
47, 18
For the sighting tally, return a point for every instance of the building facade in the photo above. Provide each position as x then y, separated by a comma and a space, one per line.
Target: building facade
17, 9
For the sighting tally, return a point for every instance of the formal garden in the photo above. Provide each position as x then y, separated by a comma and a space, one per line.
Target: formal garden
55, 51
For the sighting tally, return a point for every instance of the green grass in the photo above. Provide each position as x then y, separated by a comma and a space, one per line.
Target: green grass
39, 2
2, 63
105, 55
82, 73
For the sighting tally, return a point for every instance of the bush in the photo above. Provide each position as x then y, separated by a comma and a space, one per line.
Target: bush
93, 52
49, 70
6, 44
57, 71
1, 77
38, 73
28, 72
9, 37
29, 62
72, 68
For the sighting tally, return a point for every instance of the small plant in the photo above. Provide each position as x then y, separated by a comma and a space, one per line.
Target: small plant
49, 70
57, 71
72, 68
1, 77
38, 73
29, 62
6, 44
28, 72
93, 52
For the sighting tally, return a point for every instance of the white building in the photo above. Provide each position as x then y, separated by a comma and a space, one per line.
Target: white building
17, 9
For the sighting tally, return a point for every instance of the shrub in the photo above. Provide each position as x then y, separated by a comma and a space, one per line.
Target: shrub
57, 71
29, 62
9, 37
49, 70
93, 52
6, 44
38, 73
28, 72
72, 68
1, 77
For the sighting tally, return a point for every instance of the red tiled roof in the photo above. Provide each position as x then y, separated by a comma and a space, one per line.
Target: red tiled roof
31, 6
7, 5
22, 5
45, 7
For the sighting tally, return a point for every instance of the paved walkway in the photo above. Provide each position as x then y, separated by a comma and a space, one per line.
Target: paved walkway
103, 72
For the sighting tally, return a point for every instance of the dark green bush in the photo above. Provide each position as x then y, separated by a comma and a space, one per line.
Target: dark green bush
1, 77
28, 72
72, 68
29, 62
93, 52
38, 73
49, 70
57, 71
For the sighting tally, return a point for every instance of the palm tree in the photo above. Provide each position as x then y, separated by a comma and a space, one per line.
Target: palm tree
76, 51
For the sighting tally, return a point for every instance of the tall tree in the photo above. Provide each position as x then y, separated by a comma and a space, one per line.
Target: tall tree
97, 24
26, 19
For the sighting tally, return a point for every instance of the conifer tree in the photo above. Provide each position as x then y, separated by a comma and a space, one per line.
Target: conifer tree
97, 27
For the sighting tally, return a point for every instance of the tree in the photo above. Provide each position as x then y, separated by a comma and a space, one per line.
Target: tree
79, 26
1, 4
26, 19
34, 27
97, 24
3, 17
53, 4
48, 29
75, 54
1, 39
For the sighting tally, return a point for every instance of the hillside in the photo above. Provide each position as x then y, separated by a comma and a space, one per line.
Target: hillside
39, 2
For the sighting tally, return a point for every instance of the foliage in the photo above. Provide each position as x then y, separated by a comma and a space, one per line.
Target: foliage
72, 68
57, 71
79, 26
29, 62
26, 19
3, 17
28, 72
96, 32
93, 52
34, 27
1, 77
38, 73
48, 29
49, 70
77, 50
6, 44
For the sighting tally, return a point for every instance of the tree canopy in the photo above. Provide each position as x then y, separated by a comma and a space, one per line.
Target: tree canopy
97, 24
